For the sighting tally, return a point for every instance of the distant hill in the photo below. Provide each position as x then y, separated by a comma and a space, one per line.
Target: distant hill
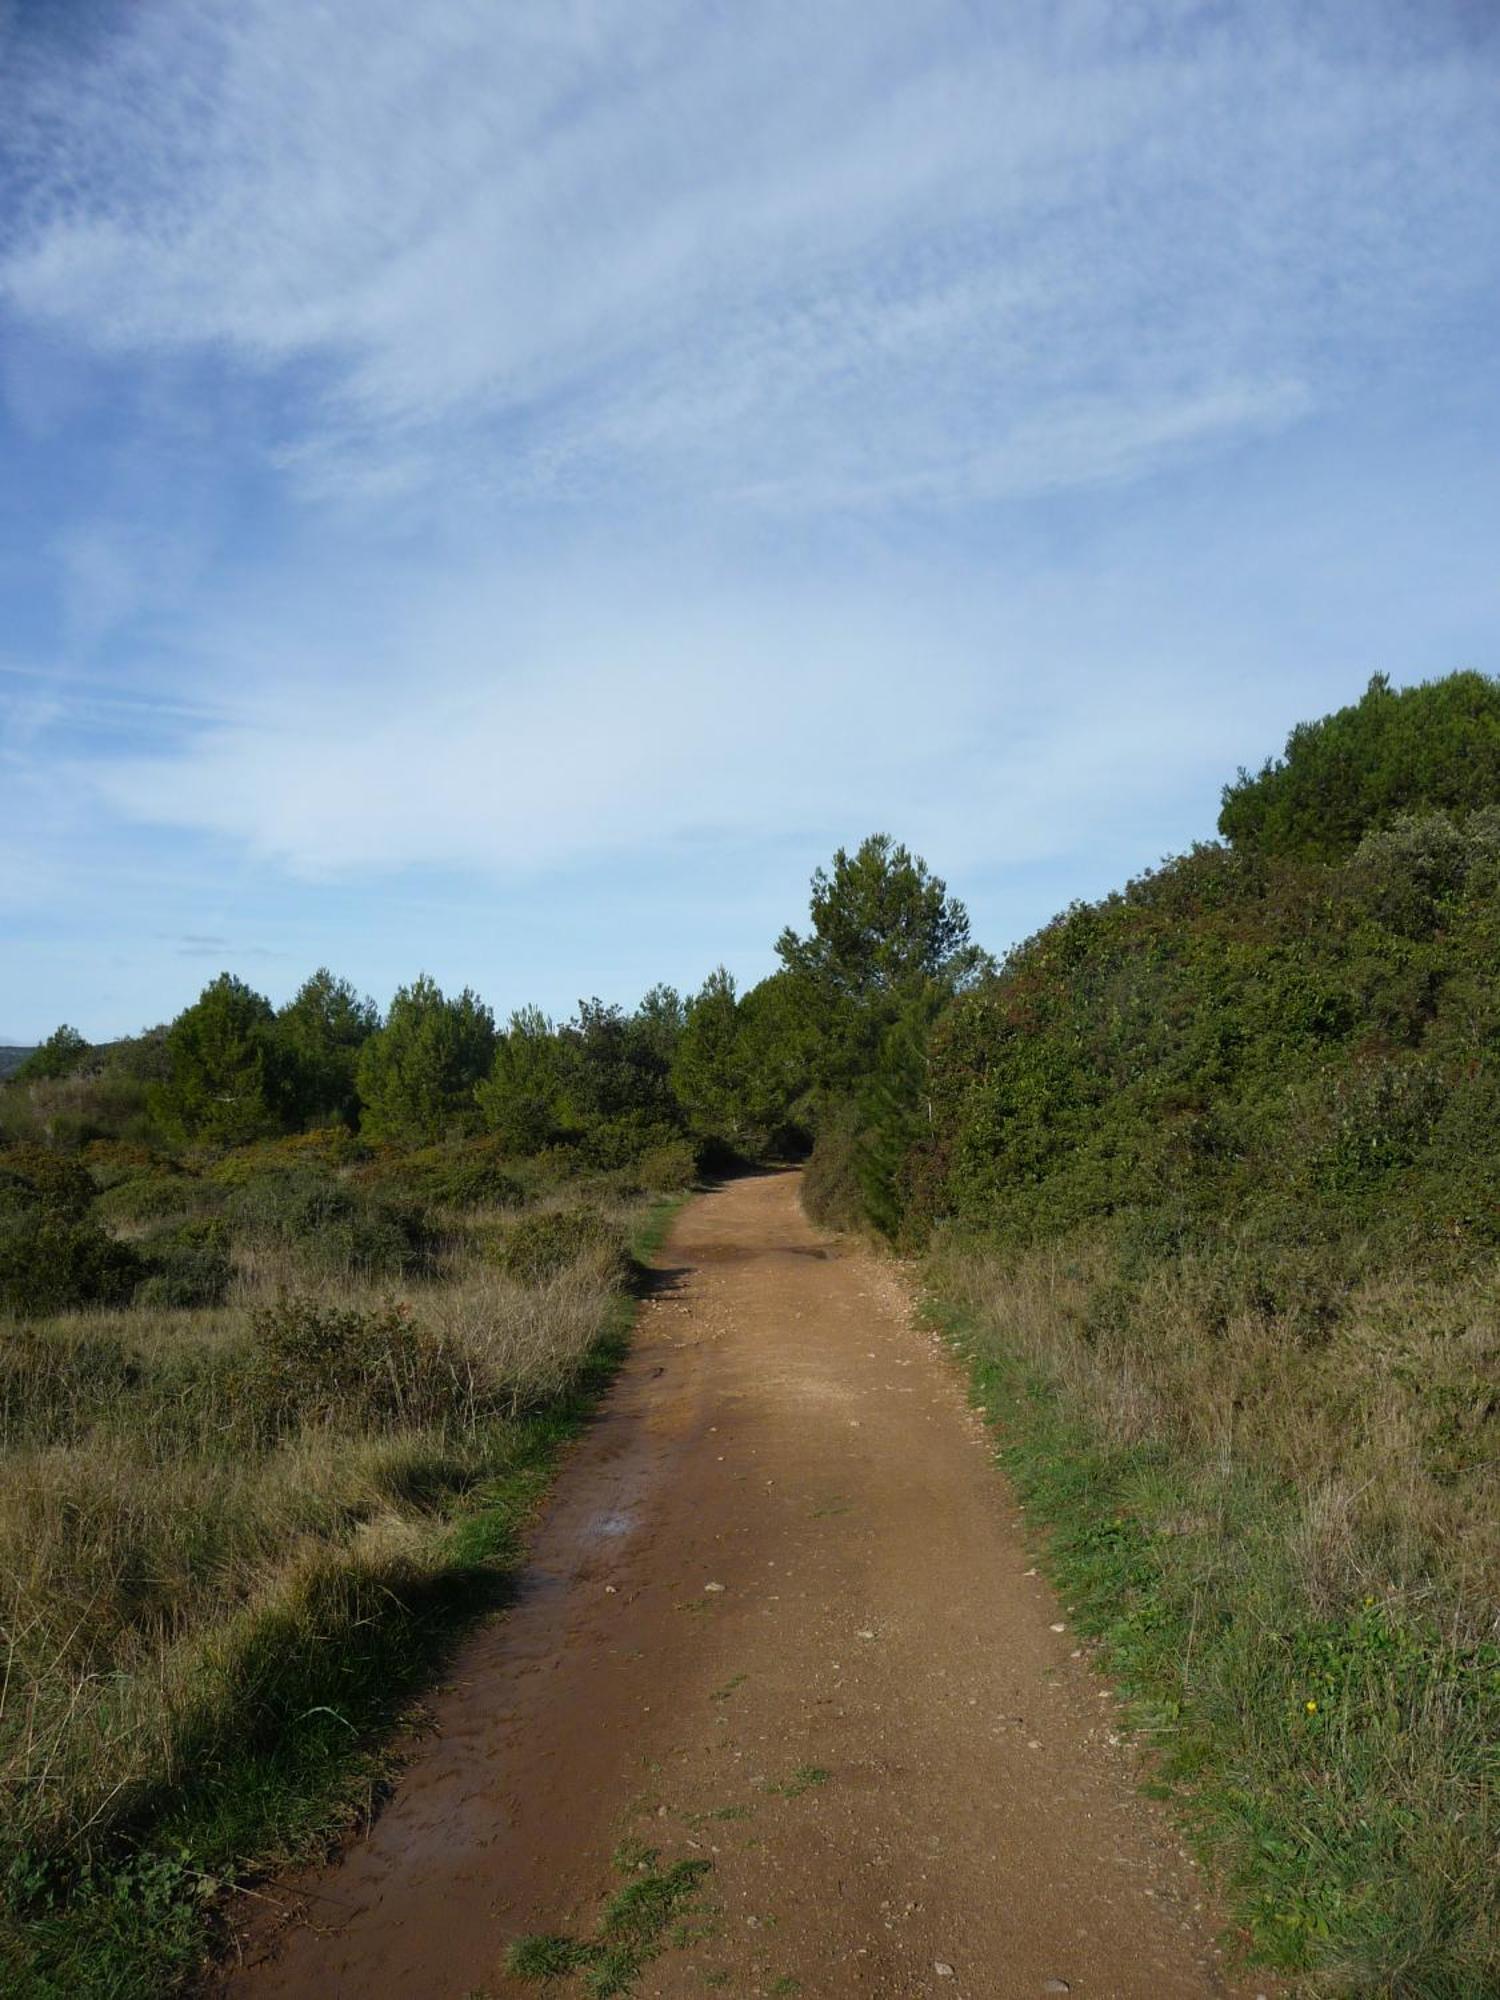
11, 1059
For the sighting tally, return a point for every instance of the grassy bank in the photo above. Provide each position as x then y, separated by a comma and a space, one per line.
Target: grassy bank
1285, 1541
236, 1541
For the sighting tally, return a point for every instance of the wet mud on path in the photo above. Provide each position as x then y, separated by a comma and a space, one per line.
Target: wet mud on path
778, 1617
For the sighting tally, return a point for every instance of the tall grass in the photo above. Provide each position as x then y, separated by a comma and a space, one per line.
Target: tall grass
1279, 1517
229, 1543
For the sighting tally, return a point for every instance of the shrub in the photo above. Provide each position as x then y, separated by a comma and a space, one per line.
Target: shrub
152, 1197
111, 1161
57, 1182
668, 1168
832, 1192
1433, 746
50, 1263
542, 1245
186, 1266
316, 1365
330, 1224
466, 1176
623, 1140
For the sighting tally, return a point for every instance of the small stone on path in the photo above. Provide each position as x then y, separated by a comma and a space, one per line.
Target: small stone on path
942, 1969
713, 1586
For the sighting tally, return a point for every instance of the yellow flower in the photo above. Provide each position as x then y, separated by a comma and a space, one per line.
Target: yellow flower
1312, 1708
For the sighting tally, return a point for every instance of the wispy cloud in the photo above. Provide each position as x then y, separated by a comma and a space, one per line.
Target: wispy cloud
848, 254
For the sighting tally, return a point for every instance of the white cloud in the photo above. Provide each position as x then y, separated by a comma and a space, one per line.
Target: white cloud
847, 254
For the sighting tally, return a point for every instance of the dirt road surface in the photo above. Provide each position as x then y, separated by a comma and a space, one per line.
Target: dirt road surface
780, 1617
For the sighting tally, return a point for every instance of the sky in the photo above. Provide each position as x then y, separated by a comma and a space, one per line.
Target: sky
506, 490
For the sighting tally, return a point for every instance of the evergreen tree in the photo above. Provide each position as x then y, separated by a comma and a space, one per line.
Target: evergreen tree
229, 1079
323, 1029
523, 1100
418, 1073
884, 929
708, 1077
63, 1053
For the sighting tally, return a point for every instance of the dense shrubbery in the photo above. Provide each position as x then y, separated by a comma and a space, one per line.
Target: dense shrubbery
311, 1365
185, 1266
1291, 1050
330, 1224
155, 1195
1430, 748
542, 1244
50, 1264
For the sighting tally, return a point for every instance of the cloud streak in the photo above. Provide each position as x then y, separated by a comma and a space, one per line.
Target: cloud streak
843, 255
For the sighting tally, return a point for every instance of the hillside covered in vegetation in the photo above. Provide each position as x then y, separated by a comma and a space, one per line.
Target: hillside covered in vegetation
1206, 1182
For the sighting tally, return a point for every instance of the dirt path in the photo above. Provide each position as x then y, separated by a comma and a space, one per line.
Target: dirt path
784, 1432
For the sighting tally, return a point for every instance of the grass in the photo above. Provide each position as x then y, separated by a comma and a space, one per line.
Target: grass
1286, 1552
229, 1563
636, 1925
806, 1778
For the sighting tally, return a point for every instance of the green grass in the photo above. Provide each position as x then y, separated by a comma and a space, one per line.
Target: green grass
296, 1698
806, 1778
1337, 1763
637, 1925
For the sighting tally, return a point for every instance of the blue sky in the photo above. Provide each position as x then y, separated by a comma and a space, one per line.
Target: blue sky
506, 490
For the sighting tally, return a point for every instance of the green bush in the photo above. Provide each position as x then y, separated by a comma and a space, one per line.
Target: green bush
185, 1266
668, 1168
464, 1176
624, 1140
330, 1225
111, 1161
1424, 748
50, 1263
57, 1183
152, 1197
312, 1365
832, 1189
542, 1245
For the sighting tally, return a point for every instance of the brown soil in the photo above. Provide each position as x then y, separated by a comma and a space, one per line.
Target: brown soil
781, 1430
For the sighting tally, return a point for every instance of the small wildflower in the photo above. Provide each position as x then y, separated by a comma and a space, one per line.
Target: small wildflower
1312, 1707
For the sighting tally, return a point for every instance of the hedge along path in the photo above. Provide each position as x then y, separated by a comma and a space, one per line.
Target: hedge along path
779, 1618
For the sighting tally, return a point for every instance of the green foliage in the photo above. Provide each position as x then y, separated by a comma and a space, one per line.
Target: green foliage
39, 1177
1295, 1050
887, 949
710, 1074
832, 1185
669, 1168
229, 1077
1436, 746
473, 1173
323, 1028
523, 1100
63, 1053
50, 1264
417, 1074
312, 1364
329, 1224
543, 1244
153, 1197
619, 1065
187, 1265
881, 923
